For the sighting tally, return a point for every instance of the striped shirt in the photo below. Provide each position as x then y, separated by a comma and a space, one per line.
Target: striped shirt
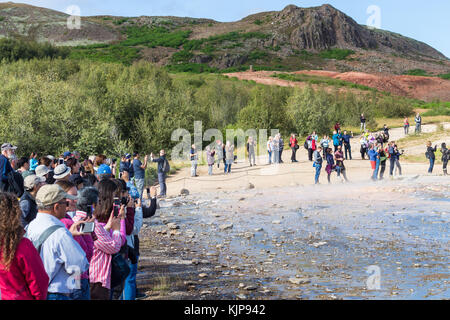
106, 244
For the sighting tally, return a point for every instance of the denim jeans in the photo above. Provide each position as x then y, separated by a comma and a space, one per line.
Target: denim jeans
318, 168
84, 293
210, 169
193, 168
129, 288
270, 157
57, 296
418, 128
375, 172
430, 169
251, 156
140, 186
162, 183
228, 164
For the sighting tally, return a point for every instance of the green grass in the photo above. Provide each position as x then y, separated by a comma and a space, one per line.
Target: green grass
258, 22
153, 37
112, 53
322, 80
120, 21
190, 67
338, 54
416, 72
445, 76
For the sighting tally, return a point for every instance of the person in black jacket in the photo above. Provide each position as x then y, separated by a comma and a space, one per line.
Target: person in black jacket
27, 202
431, 156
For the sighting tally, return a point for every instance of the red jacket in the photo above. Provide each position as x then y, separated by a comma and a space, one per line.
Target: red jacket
293, 142
26, 278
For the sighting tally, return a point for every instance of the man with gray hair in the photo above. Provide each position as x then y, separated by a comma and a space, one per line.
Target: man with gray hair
8, 154
27, 202
64, 259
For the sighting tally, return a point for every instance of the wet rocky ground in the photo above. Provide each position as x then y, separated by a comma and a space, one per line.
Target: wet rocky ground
308, 242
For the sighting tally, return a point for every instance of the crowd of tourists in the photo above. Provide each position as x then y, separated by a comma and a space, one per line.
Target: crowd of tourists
69, 229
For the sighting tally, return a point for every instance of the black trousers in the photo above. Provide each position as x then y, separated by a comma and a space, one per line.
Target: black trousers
294, 151
348, 149
310, 154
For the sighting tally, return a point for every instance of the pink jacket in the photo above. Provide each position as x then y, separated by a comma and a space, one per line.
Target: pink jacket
86, 242
26, 278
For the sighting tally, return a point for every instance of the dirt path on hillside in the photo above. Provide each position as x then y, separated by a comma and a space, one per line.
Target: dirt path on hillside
423, 88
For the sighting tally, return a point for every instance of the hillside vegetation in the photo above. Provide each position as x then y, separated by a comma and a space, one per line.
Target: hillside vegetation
52, 105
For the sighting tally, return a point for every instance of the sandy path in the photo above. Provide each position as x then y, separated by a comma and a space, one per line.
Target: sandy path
287, 174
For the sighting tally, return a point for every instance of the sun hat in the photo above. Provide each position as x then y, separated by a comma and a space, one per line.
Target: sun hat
8, 146
50, 194
41, 170
51, 157
61, 171
31, 181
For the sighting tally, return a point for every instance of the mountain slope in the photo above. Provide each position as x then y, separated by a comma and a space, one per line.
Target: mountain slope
292, 39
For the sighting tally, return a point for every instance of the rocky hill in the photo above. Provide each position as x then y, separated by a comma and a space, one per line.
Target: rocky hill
292, 39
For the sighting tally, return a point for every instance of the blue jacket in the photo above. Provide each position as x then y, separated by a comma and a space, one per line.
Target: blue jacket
337, 139
373, 154
346, 138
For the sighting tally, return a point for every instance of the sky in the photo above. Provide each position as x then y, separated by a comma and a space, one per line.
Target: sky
426, 21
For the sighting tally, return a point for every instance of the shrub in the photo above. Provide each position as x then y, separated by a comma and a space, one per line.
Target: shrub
338, 54
416, 72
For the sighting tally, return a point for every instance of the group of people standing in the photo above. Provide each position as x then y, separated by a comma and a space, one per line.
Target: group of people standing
72, 233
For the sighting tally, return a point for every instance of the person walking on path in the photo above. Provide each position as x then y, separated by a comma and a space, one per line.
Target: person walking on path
340, 167
22, 272
430, 154
293, 142
336, 140
194, 161
251, 150
362, 119
374, 161
364, 146
219, 153
139, 172
347, 146
309, 140
445, 156
325, 143
270, 147
229, 151
281, 148
163, 170
330, 163
418, 120
210, 159
383, 157
406, 125
317, 163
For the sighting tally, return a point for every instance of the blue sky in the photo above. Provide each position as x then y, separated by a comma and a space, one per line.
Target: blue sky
425, 21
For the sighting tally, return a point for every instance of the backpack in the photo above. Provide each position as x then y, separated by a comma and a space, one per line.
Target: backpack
166, 166
305, 145
427, 154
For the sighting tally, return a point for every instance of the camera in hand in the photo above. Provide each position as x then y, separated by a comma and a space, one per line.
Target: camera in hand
90, 211
124, 201
116, 207
87, 227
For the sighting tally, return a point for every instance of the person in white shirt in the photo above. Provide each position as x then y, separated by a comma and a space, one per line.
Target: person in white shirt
64, 259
